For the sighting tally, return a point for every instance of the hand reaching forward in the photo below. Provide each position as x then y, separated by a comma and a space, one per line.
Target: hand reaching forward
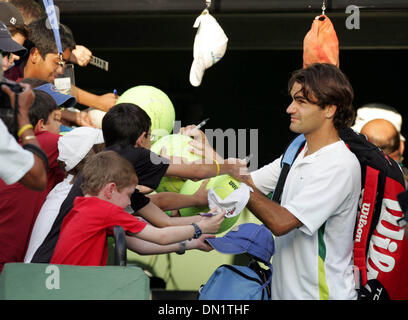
213, 223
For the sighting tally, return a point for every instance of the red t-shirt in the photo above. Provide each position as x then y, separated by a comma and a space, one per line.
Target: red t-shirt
19, 205
14, 73
82, 240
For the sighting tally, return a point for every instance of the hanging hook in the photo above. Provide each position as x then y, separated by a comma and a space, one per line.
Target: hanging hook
207, 7
324, 7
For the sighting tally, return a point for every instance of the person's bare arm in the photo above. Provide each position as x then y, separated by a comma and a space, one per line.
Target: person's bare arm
158, 218
173, 234
78, 118
36, 178
143, 247
144, 189
211, 165
81, 55
200, 144
200, 170
103, 102
277, 218
173, 200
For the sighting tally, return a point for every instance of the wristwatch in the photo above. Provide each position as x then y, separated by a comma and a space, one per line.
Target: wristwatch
198, 232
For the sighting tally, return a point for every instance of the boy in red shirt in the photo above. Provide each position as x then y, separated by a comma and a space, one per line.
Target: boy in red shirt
108, 183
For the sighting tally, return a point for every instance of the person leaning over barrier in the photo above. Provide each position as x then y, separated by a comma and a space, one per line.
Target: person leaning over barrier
108, 183
126, 130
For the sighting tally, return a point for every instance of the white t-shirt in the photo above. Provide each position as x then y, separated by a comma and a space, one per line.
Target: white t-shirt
47, 215
322, 190
15, 162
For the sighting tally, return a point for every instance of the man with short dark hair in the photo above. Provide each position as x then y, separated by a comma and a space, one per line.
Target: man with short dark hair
42, 61
314, 223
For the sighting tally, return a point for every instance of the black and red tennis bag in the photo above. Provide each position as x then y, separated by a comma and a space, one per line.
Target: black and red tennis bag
380, 246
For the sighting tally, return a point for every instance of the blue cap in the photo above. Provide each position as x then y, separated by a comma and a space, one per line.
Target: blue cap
251, 238
62, 100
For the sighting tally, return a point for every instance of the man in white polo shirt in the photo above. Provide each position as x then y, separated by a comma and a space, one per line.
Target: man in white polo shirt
315, 221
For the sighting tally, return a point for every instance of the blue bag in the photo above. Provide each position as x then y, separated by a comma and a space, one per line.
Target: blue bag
240, 282
232, 282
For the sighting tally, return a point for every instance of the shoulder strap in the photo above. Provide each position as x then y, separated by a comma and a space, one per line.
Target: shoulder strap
289, 156
263, 284
293, 150
264, 275
232, 268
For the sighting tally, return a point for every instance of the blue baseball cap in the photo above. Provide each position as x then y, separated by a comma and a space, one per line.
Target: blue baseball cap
251, 238
62, 100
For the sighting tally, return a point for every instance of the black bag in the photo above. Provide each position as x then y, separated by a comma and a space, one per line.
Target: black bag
232, 282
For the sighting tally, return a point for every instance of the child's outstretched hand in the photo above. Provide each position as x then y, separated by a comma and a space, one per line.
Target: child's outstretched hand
201, 195
201, 244
213, 223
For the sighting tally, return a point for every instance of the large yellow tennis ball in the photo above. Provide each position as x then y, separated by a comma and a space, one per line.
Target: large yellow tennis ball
175, 145
223, 186
156, 104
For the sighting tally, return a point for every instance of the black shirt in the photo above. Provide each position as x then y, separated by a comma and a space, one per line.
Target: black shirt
149, 167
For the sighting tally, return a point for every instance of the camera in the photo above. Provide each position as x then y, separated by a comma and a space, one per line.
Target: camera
7, 114
4, 98
15, 87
